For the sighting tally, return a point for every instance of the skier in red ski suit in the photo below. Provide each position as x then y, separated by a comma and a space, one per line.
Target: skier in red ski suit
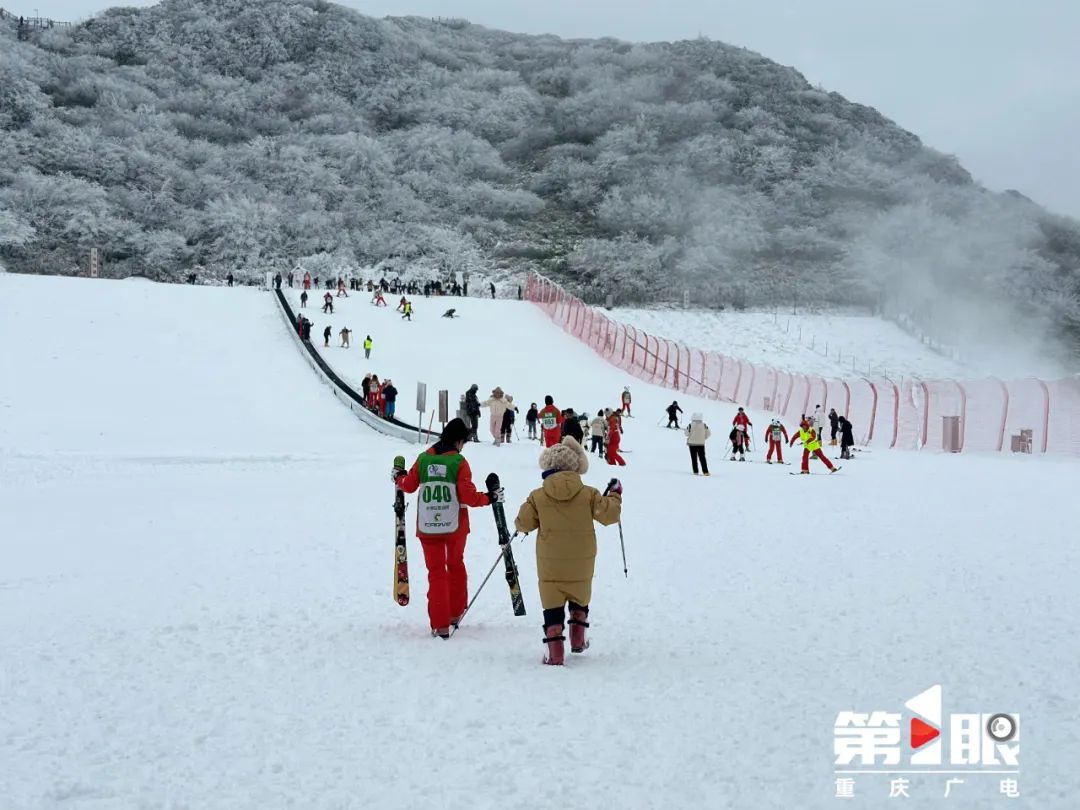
614, 439
551, 420
626, 401
811, 444
772, 435
442, 521
741, 419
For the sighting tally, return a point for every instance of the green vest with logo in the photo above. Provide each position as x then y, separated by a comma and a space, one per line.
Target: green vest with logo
438, 509
809, 440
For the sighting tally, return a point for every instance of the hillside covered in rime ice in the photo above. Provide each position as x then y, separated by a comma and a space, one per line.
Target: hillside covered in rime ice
229, 136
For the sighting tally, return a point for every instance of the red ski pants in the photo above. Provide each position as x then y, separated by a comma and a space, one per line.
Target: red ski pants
778, 447
806, 459
613, 456
626, 408
448, 582
552, 437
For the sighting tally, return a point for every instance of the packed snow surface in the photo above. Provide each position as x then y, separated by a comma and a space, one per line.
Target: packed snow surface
196, 607
826, 344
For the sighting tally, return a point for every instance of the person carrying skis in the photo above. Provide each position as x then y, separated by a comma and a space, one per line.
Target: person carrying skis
673, 411
773, 433
834, 426
389, 395
472, 410
847, 438
508, 419
326, 336
531, 418
367, 347
596, 434
614, 438
303, 298
345, 333
626, 400
444, 479
563, 509
738, 442
696, 435
811, 444
551, 420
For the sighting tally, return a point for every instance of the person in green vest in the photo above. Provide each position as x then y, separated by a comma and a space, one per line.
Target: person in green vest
367, 347
444, 480
811, 443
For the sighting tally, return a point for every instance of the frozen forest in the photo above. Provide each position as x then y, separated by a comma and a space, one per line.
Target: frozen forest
229, 136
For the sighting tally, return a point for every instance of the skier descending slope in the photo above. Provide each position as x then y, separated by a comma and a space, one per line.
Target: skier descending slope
563, 509
773, 433
811, 444
444, 479
737, 437
626, 401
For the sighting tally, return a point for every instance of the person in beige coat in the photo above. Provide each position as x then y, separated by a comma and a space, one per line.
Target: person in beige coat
498, 404
563, 509
696, 435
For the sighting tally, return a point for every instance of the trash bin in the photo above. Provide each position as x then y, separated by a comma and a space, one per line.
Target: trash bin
950, 434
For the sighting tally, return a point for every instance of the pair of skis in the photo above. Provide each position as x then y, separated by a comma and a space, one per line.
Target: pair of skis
506, 554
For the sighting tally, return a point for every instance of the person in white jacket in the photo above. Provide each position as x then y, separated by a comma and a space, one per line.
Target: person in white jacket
597, 427
696, 435
498, 404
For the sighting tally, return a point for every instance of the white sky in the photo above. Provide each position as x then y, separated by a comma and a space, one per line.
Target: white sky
995, 82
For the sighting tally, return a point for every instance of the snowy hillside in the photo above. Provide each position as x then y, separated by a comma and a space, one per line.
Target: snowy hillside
195, 596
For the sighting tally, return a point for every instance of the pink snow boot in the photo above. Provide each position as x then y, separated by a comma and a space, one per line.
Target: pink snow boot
578, 626
554, 638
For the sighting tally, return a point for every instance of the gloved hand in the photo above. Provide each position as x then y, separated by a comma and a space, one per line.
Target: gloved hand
396, 473
615, 487
497, 496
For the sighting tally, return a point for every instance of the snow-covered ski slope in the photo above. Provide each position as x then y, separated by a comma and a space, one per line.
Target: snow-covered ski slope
196, 606
826, 344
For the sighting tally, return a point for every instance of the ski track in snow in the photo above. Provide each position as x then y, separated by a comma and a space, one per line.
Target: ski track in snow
196, 594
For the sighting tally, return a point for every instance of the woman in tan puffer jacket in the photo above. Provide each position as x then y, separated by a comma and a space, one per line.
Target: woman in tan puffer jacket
563, 509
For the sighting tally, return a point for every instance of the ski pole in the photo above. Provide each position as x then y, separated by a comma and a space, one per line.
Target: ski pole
494, 565
622, 544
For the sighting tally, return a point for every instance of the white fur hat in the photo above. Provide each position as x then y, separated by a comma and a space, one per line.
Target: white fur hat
567, 456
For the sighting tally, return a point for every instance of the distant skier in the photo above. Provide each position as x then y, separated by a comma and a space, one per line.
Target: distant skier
508, 417
696, 435
326, 337
673, 411
344, 334
303, 298
408, 312
626, 401
492, 286
531, 418
444, 479
449, 313
401, 304
328, 303
614, 438
847, 438
834, 426
290, 278
277, 281
341, 288
773, 434
596, 434
378, 299
811, 444
307, 280
472, 411
737, 437
389, 394
563, 509
367, 347
551, 420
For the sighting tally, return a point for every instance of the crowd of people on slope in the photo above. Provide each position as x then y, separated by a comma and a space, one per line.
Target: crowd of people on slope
394, 286
810, 433
380, 396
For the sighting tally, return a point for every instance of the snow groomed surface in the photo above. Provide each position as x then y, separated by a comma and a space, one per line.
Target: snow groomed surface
196, 606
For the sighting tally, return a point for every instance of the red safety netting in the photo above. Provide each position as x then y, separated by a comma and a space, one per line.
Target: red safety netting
993, 414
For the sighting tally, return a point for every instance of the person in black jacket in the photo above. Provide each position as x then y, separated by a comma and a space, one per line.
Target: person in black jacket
390, 396
472, 410
326, 337
834, 425
305, 329
531, 418
847, 439
673, 411
365, 387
